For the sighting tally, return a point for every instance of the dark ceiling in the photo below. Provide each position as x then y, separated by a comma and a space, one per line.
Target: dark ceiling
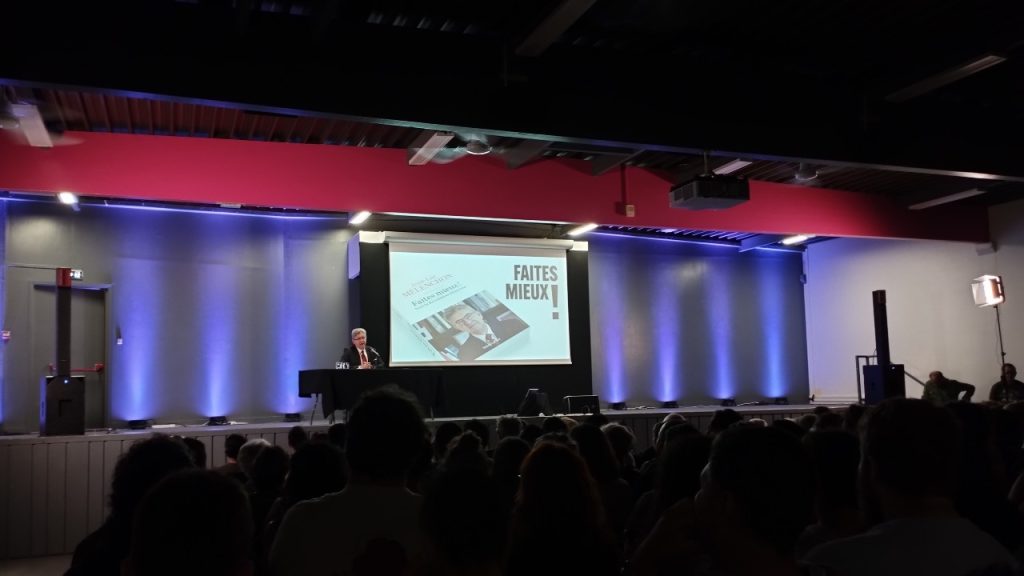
830, 88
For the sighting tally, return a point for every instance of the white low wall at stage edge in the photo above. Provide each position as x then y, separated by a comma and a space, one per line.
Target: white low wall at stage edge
933, 323
54, 491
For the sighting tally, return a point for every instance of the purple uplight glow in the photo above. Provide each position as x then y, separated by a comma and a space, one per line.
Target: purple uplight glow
773, 322
668, 384
719, 323
612, 321
139, 321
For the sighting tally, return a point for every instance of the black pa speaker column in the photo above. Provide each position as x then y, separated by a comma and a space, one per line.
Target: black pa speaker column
885, 379
62, 410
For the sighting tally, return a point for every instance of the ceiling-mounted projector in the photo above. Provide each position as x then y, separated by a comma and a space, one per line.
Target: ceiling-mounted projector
710, 192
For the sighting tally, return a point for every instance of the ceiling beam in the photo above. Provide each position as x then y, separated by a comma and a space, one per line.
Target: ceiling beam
552, 27
604, 164
523, 153
948, 76
758, 241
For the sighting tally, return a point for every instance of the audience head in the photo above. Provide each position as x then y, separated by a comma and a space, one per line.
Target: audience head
835, 455
570, 423
679, 469
316, 468
829, 421
232, 444
443, 436
597, 452
337, 434
297, 436
466, 451
508, 458
320, 436
807, 421
481, 430
140, 468
819, 410
385, 434
621, 440
554, 425
193, 522
852, 416
464, 518
270, 469
248, 453
197, 449
596, 419
509, 426
556, 491
722, 420
531, 433
755, 491
789, 426
910, 449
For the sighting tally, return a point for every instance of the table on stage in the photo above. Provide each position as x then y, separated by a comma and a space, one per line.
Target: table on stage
339, 389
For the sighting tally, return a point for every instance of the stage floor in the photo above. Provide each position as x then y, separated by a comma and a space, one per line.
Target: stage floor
54, 489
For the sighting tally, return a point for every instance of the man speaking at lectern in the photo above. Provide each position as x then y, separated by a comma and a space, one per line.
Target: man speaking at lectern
360, 355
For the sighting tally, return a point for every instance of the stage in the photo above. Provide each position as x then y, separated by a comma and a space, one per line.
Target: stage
54, 490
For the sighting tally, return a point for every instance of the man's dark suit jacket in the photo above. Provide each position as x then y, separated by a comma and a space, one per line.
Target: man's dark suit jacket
351, 355
474, 347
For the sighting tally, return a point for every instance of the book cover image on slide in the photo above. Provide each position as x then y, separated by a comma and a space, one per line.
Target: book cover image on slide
470, 328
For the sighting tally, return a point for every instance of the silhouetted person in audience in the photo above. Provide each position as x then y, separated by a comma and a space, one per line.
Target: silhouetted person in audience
482, 432
509, 426
464, 521
722, 420
596, 419
297, 436
232, 444
835, 455
790, 426
910, 460
194, 522
316, 468
754, 501
197, 449
940, 390
337, 434
621, 440
554, 424
443, 435
678, 478
372, 526
268, 476
467, 451
807, 421
146, 463
508, 459
1008, 389
829, 421
247, 456
616, 494
530, 433
852, 417
558, 525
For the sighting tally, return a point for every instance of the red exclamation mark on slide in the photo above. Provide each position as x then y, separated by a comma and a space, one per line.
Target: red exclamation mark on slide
554, 301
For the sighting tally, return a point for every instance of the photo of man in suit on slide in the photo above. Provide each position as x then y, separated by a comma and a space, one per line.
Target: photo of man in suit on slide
361, 356
479, 332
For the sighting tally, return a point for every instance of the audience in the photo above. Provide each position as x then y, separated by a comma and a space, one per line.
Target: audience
144, 465
923, 489
297, 436
910, 466
232, 444
382, 531
558, 524
193, 522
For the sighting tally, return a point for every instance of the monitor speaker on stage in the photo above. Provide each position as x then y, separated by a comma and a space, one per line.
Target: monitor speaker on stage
582, 404
534, 403
880, 385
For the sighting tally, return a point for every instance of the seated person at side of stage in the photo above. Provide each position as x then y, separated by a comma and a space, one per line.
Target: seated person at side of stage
1008, 389
940, 390
478, 334
361, 356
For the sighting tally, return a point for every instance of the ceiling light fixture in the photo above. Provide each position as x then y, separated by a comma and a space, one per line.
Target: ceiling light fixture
477, 147
947, 199
805, 173
795, 239
579, 230
360, 217
423, 152
68, 198
731, 167
31, 124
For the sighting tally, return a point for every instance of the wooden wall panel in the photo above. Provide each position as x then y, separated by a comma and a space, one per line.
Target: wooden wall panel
76, 522
96, 489
19, 522
56, 496
39, 508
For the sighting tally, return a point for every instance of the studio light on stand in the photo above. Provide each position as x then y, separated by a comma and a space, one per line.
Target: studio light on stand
988, 291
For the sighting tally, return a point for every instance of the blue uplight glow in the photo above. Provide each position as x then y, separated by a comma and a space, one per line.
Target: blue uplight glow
719, 323
612, 319
773, 322
138, 315
668, 323
218, 307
